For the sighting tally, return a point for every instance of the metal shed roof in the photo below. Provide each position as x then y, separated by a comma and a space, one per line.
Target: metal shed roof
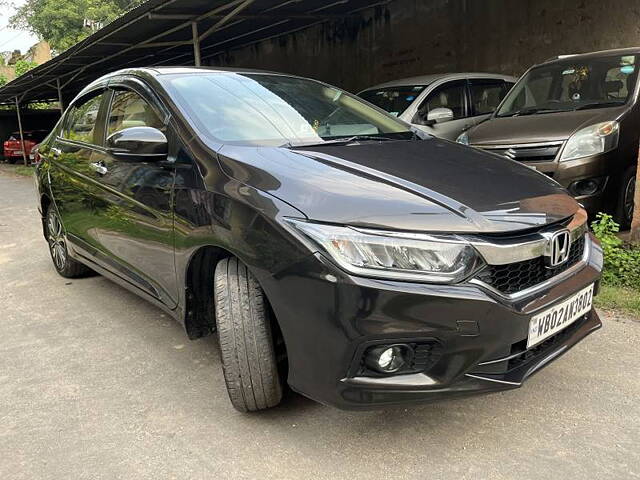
163, 32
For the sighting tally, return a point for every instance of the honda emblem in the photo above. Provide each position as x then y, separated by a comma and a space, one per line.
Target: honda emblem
558, 247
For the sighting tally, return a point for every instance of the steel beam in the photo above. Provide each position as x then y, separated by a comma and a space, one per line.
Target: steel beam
196, 44
226, 18
24, 154
60, 96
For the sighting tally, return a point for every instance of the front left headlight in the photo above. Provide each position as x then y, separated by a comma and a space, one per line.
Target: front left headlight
394, 255
592, 140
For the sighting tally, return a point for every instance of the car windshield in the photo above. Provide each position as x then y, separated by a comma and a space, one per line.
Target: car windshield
270, 109
573, 85
394, 100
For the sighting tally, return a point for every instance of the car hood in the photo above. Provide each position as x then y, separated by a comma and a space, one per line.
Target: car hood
545, 127
429, 185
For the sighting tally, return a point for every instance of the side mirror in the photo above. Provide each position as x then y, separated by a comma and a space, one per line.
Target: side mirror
439, 115
144, 144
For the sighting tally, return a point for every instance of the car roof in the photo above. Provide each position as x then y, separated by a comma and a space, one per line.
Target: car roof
159, 71
156, 71
428, 79
591, 55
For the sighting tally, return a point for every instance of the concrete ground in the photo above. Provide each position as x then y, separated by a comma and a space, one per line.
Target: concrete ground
97, 384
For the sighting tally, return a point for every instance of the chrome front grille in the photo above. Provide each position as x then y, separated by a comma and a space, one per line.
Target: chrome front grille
528, 152
518, 276
517, 266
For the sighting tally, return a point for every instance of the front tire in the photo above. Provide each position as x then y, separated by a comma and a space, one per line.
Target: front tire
246, 340
625, 207
63, 263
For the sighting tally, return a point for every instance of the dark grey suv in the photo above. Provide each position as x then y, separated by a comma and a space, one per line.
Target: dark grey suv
327, 245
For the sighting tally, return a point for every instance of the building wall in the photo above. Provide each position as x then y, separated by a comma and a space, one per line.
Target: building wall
7, 72
39, 53
412, 37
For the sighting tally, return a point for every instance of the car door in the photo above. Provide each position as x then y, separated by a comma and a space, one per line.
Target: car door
452, 96
137, 197
71, 176
485, 94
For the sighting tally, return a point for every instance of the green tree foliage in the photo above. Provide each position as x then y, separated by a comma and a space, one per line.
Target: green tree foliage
621, 260
3, 80
60, 22
23, 66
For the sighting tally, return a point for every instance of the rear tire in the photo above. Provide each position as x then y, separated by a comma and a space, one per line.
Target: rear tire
63, 263
246, 340
625, 207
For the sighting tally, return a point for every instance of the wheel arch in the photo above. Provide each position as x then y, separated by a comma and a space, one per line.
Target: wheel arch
45, 202
199, 317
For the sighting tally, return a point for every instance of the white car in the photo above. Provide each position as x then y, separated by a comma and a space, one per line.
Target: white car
443, 105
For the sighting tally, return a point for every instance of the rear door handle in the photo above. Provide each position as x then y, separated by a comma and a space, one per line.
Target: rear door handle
99, 167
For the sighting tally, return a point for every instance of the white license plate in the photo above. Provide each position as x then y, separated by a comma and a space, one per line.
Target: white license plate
554, 319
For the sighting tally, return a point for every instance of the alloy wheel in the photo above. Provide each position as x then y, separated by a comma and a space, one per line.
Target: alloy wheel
55, 237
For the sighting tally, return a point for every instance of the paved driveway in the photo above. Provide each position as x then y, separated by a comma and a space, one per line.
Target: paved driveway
95, 383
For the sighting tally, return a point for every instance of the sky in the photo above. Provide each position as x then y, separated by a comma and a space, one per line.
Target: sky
13, 39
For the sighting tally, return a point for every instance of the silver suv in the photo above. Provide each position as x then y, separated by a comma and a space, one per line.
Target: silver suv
443, 105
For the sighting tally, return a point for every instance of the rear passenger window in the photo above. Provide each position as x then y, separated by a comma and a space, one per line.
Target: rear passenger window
128, 109
486, 95
81, 122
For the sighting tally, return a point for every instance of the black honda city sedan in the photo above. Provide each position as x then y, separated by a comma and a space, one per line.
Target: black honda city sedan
328, 246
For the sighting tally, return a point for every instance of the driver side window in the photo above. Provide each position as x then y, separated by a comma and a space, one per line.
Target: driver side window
450, 95
128, 109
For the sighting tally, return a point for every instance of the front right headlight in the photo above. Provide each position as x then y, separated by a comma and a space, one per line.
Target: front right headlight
394, 255
598, 138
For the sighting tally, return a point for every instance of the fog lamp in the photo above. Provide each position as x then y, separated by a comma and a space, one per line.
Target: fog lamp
388, 358
588, 186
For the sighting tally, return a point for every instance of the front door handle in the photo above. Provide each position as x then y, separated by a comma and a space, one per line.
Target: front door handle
99, 167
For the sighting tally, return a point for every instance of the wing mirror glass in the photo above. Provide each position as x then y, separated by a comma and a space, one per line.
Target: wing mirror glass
144, 144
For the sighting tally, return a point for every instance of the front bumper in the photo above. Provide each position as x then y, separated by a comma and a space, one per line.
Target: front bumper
327, 317
601, 167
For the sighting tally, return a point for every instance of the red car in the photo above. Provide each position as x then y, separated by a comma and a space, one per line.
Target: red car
13, 148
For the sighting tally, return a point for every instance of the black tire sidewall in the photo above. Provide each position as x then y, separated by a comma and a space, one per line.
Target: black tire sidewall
245, 338
621, 216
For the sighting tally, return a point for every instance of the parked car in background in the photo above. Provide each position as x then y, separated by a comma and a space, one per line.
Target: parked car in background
328, 244
443, 105
13, 147
575, 118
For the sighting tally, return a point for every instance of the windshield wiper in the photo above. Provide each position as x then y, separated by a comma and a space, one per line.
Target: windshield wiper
348, 140
600, 104
532, 111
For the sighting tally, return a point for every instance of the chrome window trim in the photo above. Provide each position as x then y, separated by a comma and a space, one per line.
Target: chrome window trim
547, 283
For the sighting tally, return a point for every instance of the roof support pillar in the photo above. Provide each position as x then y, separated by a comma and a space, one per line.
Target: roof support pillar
196, 43
24, 154
60, 96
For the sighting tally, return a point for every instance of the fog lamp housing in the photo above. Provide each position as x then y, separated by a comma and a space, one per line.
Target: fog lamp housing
389, 358
587, 186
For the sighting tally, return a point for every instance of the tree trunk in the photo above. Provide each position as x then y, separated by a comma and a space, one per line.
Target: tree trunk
635, 223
